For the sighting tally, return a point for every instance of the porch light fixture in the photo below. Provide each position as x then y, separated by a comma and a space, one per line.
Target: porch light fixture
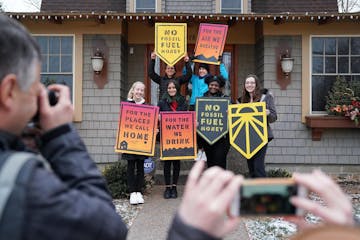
287, 63
97, 61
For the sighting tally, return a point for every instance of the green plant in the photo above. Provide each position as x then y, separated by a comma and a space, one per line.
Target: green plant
116, 178
344, 99
278, 173
339, 95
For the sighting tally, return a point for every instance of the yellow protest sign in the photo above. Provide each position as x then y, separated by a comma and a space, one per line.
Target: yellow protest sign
170, 41
248, 127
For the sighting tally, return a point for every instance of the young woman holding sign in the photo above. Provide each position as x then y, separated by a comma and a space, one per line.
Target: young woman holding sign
170, 72
172, 100
253, 93
135, 178
217, 152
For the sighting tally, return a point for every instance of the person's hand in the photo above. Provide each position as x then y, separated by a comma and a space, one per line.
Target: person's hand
153, 55
338, 209
207, 199
267, 112
59, 114
186, 58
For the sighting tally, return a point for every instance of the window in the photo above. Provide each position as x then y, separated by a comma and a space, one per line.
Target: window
231, 6
332, 57
57, 59
145, 5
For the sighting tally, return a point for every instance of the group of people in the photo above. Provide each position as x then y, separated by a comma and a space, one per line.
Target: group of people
204, 84
71, 201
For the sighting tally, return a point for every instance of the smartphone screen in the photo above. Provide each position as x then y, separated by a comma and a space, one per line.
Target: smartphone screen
269, 199
267, 196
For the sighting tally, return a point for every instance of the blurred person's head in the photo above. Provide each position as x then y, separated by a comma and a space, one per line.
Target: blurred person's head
20, 65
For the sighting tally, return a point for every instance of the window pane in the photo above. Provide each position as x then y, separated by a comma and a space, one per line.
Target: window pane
66, 45
343, 65
54, 64
355, 46
355, 64
43, 44
330, 64
66, 64
44, 62
343, 46
317, 65
145, 5
54, 45
321, 85
317, 46
330, 46
231, 6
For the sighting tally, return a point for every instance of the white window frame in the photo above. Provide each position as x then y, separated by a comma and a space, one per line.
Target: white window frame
323, 74
73, 58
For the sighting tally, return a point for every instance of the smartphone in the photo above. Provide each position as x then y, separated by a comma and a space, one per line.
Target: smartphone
267, 196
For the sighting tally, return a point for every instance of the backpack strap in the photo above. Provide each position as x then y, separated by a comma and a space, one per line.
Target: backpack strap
8, 175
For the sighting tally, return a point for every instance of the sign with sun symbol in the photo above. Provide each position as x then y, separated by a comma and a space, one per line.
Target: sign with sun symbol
248, 127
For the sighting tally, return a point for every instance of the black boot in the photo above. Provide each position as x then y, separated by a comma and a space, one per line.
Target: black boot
174, 192
167, 193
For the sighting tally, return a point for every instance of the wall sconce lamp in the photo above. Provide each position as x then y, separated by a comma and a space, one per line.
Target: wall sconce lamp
287, 63
97, 61
284, 65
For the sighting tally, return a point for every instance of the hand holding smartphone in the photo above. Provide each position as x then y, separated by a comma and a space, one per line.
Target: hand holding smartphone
267, 196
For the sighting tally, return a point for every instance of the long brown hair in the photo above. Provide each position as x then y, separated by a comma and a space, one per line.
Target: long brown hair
245, 97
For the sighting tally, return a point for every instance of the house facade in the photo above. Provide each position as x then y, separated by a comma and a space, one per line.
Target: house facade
322, 42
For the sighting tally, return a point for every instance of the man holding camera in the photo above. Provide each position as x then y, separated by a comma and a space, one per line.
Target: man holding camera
72, 202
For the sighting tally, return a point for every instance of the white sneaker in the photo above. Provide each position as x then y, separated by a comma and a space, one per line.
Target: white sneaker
133, 198
203, 157
140, 198
199, 154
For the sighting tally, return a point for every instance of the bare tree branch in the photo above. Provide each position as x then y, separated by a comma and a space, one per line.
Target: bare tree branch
346, 6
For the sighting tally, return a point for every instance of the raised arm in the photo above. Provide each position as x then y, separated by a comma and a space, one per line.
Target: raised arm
223, 72
187, 73
151, 70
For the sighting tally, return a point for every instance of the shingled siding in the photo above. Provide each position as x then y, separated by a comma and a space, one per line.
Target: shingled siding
337, 152
101, 106
188, 6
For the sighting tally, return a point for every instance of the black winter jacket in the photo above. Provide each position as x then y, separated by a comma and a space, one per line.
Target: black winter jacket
72, 202
164, 105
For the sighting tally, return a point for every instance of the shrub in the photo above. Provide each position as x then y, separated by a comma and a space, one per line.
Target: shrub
115, 176
278, 173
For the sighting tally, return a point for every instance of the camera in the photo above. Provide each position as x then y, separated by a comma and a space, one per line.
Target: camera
53, 99
267, 196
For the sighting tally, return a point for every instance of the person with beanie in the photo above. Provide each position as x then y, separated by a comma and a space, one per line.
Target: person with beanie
217, 152
198, 88
172, 100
